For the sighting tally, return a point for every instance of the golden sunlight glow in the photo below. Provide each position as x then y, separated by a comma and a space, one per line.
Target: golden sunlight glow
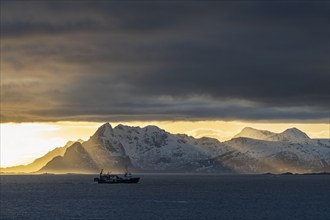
22, 143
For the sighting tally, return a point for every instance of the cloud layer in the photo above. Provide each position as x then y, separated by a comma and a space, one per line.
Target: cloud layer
123, 61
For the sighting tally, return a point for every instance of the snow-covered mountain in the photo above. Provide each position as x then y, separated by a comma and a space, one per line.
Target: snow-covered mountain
151, 149
145, 149
258, 156
289, 135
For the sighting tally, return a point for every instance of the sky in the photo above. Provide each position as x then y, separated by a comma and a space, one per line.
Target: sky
163, 61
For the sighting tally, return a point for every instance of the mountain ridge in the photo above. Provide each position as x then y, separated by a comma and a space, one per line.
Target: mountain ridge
153, 149
40, 161
290, 135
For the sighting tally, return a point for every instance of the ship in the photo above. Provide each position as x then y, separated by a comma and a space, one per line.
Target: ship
113, 179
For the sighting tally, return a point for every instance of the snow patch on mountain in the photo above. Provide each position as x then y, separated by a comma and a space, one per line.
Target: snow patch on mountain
283, 156
290, 135
154, 148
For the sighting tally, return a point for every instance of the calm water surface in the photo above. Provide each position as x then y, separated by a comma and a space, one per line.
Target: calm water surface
166, 197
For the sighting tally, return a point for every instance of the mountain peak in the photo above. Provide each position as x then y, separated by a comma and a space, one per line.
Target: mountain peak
295, 132
249, 132
152, 128
291, 134
249, 128
105, 130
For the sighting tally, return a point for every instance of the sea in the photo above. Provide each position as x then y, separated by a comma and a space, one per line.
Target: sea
166, 196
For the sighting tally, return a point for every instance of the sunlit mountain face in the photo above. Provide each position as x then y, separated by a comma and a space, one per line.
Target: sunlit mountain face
205, 69
23, 143
152, 149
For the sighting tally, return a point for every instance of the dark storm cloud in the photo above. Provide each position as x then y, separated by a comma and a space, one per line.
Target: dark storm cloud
69, 60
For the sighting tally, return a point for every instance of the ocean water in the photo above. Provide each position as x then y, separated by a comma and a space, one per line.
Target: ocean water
166, 197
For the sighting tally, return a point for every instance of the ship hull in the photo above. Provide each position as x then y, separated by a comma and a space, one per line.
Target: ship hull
105, 181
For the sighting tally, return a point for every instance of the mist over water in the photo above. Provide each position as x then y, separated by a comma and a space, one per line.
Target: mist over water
166, 197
